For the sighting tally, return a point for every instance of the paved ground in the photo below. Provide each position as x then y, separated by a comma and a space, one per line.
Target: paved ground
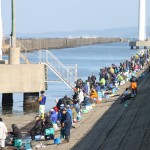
124, 126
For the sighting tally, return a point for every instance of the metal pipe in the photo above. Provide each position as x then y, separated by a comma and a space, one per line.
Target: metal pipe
13, 25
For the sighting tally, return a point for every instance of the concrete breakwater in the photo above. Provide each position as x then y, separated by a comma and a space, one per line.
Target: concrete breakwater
57, 43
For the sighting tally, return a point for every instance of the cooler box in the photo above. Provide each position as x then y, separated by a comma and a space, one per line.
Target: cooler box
18, 142
49, 131
85, 111
28, 144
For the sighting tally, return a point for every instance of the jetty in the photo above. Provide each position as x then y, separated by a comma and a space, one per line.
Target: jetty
123, 126
139, 44
113, 126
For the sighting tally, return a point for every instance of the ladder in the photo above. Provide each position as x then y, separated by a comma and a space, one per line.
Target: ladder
68, 75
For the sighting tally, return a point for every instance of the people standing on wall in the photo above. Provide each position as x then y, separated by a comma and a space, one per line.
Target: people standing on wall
66, 124
134, 81
42, 101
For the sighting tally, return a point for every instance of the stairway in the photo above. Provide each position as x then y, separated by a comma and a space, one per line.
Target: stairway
60, 70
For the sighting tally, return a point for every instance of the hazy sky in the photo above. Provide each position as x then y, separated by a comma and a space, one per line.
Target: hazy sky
38, 16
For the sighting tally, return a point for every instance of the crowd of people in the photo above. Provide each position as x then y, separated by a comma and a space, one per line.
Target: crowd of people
68, 111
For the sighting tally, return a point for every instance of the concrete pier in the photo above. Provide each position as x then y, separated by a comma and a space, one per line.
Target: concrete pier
124, 126
14, 56
139, 44
31, 44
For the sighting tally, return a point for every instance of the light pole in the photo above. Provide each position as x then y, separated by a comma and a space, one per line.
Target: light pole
13, 24
14, 52
1, 32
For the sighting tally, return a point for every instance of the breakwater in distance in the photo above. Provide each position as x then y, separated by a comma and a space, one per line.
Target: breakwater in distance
31, 44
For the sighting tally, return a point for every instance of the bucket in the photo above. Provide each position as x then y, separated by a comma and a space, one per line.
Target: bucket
85, 111
107, 96
39, 137
98, 101
100, 94
88, 107
28, 144
114, 90
57, 141
93, 105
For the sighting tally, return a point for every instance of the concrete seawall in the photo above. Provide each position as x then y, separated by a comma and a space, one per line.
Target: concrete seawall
57, 43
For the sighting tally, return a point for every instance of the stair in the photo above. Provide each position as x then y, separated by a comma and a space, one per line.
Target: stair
59, 69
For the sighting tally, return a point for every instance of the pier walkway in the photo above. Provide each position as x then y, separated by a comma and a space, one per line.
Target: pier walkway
113, 126
124, 126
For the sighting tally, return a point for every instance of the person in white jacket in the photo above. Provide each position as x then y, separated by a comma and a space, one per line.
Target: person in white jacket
3, 134
81, 97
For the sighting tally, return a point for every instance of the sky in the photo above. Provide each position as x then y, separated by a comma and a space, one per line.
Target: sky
39, 16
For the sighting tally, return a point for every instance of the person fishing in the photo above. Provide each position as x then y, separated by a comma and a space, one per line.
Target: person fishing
134, 81
42, 101
66, 124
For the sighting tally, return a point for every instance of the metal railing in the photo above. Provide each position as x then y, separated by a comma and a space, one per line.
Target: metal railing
68, 75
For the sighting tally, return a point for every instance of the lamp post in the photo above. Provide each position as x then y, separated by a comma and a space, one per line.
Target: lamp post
14, 53
1, 32
13, 24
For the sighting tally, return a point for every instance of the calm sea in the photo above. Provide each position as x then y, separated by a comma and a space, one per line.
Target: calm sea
89, 60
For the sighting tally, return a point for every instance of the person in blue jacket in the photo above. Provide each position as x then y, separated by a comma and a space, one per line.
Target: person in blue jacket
53, 116
42, 101
69, 110
66, 124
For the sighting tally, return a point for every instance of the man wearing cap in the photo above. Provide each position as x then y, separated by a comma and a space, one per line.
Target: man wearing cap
66, 123
42, 101
59, 116
53, 116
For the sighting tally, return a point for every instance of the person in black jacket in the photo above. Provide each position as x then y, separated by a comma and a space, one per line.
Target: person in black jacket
66, 124
37, 129
46, 125
47, 122
16, 133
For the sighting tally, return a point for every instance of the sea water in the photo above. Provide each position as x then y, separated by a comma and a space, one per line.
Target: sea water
89, 60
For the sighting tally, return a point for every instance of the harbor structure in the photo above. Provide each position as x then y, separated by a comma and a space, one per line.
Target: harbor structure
142, 40
29, 78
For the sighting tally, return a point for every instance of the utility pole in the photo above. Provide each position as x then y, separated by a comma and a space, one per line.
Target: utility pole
1, 31
13, 24
14, 53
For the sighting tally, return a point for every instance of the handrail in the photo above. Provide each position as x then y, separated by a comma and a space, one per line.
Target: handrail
63, 72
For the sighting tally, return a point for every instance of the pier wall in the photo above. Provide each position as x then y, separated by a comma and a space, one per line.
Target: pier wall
57, 43
22, 78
